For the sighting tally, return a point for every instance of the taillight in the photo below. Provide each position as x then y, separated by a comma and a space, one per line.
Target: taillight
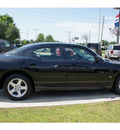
112, 52
100, 51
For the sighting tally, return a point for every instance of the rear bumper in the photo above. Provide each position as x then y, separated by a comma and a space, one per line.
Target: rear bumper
114, 56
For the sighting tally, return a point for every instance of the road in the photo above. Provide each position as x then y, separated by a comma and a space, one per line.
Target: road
54, 98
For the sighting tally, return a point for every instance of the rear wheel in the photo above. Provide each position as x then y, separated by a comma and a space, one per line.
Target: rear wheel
116, 86
17, 87
105, 56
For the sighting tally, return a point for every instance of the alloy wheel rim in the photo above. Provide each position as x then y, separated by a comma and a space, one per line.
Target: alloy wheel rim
17, 87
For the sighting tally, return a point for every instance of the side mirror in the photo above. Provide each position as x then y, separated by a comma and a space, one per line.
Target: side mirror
97, 58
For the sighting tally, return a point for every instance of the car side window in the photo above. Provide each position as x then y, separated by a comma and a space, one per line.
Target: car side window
48, 53
7, 44
1, 43
78, 54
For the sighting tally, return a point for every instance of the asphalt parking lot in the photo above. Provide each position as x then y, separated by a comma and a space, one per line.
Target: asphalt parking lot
54, 98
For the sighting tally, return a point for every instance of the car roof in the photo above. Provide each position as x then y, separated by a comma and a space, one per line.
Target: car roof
93, 43
29, 46
50, 43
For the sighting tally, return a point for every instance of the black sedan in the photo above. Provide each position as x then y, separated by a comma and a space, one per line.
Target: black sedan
55, 66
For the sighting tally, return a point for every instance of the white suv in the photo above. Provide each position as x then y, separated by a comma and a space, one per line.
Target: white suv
113, 51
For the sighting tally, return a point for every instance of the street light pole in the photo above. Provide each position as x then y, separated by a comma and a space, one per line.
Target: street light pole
69, 36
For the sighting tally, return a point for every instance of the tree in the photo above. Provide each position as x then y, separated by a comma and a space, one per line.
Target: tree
6, 19
24, 42
12, 33
104, 42
49, 38
40, 37
112, 42
8, 29
114, 31
3, 28
85, 37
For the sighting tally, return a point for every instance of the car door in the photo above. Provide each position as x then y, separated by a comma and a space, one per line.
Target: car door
83, 70
80, 68
49, 67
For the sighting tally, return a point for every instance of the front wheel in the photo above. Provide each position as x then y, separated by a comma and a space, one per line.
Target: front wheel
17, 87
116, 86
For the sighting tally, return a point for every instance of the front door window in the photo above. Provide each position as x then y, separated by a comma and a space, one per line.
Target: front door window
80, 54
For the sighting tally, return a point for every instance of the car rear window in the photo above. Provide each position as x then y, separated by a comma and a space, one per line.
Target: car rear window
116, 48
1, 42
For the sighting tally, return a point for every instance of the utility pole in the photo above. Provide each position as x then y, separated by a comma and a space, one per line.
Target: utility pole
89, 35
102, 28
69, 32
27, 34
36, 32
21, 38
99, 25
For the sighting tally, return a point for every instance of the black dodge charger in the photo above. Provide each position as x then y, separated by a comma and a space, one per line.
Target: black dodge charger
55, 66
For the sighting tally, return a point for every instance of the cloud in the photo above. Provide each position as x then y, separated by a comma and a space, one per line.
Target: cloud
80, 28
109, 18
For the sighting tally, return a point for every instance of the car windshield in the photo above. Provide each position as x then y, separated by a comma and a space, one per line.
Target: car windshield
116, 48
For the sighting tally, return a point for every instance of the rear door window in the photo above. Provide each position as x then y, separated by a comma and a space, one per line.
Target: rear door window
48, 53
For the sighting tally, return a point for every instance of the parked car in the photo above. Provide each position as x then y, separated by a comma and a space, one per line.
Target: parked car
95, 47
5, 46
113, 51
40, 67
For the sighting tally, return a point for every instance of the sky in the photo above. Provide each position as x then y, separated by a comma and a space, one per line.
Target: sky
60, 22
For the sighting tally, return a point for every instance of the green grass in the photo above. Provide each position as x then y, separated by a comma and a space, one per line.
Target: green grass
96, 112
103, 51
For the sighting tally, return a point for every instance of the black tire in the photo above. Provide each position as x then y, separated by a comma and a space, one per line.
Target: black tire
105, 56
116, 86
17, 87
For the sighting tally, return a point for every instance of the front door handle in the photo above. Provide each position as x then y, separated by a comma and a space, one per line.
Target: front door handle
56, 66
60, 66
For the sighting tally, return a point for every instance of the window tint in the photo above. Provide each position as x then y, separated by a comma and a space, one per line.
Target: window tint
7, 44
78, 54
1, 43
116, 48
48, 53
